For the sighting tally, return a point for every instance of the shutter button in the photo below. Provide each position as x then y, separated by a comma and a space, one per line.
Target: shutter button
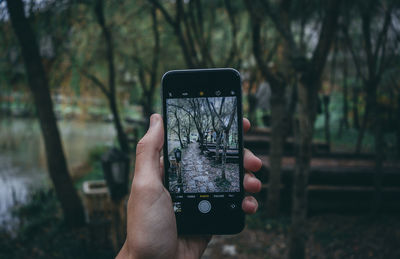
204, 206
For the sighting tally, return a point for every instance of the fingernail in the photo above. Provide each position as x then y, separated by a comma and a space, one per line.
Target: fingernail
253, 202
154, 120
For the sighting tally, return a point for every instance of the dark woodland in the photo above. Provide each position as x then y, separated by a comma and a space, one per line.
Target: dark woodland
320, 85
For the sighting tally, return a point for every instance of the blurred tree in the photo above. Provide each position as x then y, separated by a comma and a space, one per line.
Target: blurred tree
225, 127
309, 66
326, 99
355, 102
344, 121
177, 126
195, 39
148, 75
110, 90
398, 124
374, 48
253, 82
380, 56
279, 78
38, 83
216, 125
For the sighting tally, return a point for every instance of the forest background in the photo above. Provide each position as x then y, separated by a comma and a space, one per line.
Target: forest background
321, 89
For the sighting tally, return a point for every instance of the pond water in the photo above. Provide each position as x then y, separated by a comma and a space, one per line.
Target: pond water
23, 160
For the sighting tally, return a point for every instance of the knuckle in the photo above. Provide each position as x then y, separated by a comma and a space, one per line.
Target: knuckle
141, 146
139, 185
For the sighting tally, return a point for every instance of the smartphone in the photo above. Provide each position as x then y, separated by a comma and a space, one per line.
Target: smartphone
203, 149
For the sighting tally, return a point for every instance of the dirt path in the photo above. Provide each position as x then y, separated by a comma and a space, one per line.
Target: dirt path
200, 174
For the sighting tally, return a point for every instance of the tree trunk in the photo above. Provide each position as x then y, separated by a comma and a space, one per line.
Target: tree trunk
379, 159
398, 126
147, 109
310, 83
345, 97
278, 106
307, 109
180, 139
201, 139
38, 83
344, 122
217, 145
225, 145
179, 128
364, 123
188, 138
122, 139
361, 132
326, 101
252, 100
356, 121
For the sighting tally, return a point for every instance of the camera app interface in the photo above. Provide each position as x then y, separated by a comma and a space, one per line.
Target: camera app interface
203, 148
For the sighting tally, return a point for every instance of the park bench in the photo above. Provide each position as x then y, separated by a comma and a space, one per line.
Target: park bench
232, 155
338, 187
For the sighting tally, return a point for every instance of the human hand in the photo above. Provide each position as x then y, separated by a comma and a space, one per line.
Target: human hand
151, 227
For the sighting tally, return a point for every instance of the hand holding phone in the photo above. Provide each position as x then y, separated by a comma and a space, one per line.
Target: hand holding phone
203, 151
151, 226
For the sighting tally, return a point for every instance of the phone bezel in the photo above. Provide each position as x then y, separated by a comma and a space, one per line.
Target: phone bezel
226, 79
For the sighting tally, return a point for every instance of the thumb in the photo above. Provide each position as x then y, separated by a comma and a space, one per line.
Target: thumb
147, 166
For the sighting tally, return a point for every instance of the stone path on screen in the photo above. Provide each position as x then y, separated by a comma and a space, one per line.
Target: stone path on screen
200, 174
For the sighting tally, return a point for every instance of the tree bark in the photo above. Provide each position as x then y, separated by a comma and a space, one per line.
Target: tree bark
356, 121
148, 92
147, 108
278, 110
38, 83
366, 116
398, 126
326, 101
179, 128
252, 102
217, 145
345, 96
223, 159
278, 83
307, 110
344, 121
309, 85
379, 159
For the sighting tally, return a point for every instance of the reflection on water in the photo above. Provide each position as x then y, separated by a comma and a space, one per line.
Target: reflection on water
23, 160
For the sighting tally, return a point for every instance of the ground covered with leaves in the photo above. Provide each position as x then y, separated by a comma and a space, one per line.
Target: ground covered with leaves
42, 234
329, 236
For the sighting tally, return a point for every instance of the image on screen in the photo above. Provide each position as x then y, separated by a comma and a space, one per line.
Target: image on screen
203, 148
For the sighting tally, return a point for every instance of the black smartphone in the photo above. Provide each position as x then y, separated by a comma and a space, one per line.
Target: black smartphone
203, 149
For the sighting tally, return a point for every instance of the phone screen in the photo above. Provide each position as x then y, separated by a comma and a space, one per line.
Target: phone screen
203, 149
203, 146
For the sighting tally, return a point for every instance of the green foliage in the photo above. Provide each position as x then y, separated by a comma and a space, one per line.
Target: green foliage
96, 153
94, 160
96, 173
43, 234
